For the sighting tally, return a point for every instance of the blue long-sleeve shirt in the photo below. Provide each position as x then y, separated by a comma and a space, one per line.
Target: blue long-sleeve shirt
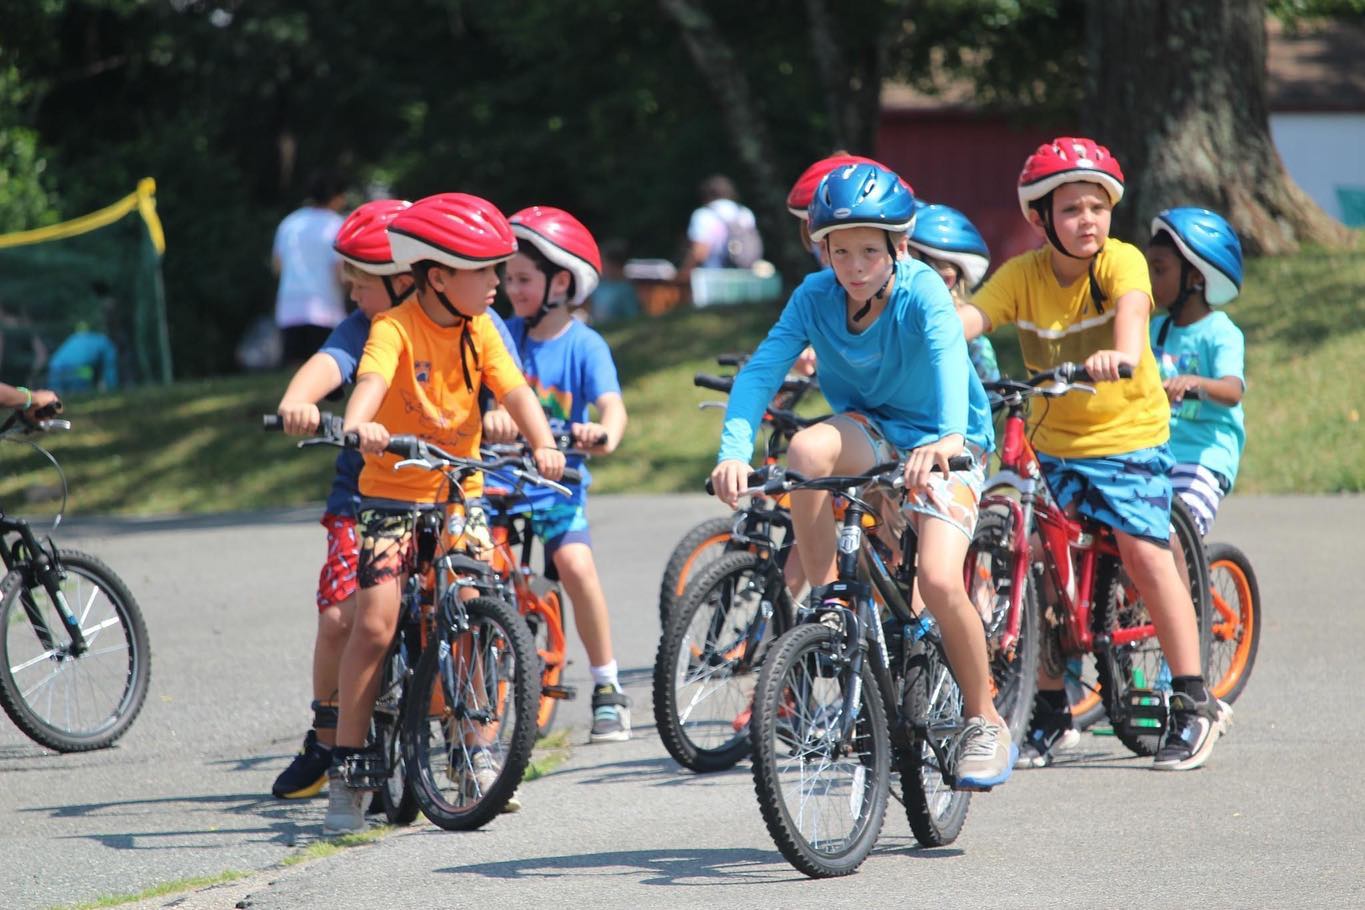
909, 370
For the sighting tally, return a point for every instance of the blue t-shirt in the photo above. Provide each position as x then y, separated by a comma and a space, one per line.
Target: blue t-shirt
345, 345
568, 373
1204, 432
909, 370
84, 361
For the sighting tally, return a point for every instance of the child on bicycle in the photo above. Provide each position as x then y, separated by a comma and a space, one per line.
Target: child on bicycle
570, 367
375, 283
894, 367
947, 241
1195, 262
29, 402
1085, 296
421, 372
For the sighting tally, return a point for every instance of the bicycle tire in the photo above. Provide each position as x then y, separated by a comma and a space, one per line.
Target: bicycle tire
700, 546
452, 703
547, 638
989, 568
1117, 608
1236, 620
794, 709
396, 797
102, 601
706, 642
936, 812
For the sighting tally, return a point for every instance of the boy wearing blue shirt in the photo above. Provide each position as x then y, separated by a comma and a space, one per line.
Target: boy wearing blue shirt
570, 368
1195, 260
894, 368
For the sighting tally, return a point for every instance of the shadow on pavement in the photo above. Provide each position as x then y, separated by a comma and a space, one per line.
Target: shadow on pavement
684, 866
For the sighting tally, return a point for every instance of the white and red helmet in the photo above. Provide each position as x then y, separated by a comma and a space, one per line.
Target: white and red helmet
454, 229
363, 239
562, 239
1068, 160
803, 190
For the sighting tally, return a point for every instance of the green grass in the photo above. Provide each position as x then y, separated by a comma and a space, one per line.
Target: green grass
551, 751
175, 887
196, 446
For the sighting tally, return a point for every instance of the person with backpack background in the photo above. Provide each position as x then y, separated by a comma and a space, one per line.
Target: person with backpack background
722, 233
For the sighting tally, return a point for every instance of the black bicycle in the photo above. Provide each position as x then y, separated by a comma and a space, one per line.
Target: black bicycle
859, 688
74, 656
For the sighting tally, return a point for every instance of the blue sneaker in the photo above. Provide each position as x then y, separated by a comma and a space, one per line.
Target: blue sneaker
985, 755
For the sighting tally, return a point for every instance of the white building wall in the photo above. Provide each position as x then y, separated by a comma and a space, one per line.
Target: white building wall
1322, 152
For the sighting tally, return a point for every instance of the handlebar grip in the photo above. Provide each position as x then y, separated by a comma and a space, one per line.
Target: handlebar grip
714, 383
960, 463
1080, 374
571, 475
754, 480
272, 423
1125, 371
404, 446
732, 359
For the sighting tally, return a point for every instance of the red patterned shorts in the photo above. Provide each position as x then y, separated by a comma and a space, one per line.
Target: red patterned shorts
338, 578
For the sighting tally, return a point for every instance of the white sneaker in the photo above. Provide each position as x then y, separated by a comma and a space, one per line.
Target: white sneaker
345, 807
485, 770
985, 755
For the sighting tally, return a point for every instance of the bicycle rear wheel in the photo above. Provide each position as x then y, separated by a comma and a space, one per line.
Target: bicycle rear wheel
396, 797
822, 782
1236, 620
469, 721
699, 547
707, 666
65, 701
936, 811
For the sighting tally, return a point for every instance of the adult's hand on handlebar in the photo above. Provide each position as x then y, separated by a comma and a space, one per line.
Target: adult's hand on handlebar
373, 437
920, 465
729, 479
498, 426
549, 462
1103, 366
300, 418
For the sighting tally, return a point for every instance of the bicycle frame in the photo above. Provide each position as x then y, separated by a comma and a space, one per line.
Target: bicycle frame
39, 566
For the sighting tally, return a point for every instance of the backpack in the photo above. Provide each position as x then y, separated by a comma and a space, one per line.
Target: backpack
743, 245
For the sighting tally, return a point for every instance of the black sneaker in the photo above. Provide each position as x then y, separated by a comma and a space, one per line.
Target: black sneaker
610, 715
1049, 733
1192, 727
307, 773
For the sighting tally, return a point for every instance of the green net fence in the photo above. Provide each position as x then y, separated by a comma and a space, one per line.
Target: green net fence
81, 302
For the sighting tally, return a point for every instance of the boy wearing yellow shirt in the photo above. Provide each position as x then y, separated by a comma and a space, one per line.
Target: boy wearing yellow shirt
423, 367
1086, 297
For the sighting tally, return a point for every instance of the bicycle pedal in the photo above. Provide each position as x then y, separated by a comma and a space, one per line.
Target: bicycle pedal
1145, 710
564, 692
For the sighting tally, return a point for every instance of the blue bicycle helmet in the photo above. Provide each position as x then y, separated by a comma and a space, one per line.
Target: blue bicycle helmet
861, 195
943, 232
1209, 243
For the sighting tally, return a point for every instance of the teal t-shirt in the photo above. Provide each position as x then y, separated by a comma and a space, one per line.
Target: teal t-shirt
1204, 432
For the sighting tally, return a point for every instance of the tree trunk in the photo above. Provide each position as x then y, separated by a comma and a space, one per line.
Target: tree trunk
720, 67
1178, 94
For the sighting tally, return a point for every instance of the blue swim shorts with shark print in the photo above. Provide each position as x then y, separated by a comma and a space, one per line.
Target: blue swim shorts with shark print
1130, 492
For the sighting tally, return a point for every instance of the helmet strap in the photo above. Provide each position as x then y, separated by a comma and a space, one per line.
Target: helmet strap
1044, 209
1186, 292
395, 297
467, 347
546, 304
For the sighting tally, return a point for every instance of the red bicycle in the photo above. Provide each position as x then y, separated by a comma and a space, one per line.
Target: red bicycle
1030, 551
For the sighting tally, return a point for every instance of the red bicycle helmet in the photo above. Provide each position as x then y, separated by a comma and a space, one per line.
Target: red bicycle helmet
562, 239
363, 240
454, 229
803, 190
1068, 160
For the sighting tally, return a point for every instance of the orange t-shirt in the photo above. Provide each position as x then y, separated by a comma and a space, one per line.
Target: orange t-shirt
427, 397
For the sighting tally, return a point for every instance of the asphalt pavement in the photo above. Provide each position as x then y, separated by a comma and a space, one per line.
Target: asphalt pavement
1275, 819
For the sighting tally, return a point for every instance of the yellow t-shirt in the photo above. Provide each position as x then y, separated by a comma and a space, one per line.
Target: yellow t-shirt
1058, 324
427, 397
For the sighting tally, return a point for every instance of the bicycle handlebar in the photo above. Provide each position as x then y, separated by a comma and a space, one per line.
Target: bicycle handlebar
1064, 376
725, 383
775, 480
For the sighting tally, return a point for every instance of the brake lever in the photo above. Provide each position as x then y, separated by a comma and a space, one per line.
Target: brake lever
414, 462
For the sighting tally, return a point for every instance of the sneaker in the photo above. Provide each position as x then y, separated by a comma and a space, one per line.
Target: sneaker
307, 773
483, 775
610, 715
1042, 744
1192, 727
985, 755
345, 806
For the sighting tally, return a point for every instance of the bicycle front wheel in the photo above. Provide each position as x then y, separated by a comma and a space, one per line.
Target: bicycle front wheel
822, 754
933, 705
67, 701
1236, 620
699, 547
469, 721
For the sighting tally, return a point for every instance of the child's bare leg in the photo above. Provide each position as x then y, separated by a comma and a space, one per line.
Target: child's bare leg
578, 574
942, 550
793, 572
376, 618
1153, 570
837, 446
334, 626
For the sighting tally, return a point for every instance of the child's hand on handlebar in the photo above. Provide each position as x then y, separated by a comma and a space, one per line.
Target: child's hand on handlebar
43, 400
498, 426
549, 462
920, 465
728, 479
373, 437
300, 418
1177, 386
591, 436
1103, 366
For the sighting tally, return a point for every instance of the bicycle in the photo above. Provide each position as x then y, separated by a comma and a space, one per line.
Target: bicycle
823, 752
75, 660
712, 537
1093, 609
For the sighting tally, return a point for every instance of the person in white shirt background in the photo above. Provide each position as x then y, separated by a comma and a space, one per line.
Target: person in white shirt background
309, 301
